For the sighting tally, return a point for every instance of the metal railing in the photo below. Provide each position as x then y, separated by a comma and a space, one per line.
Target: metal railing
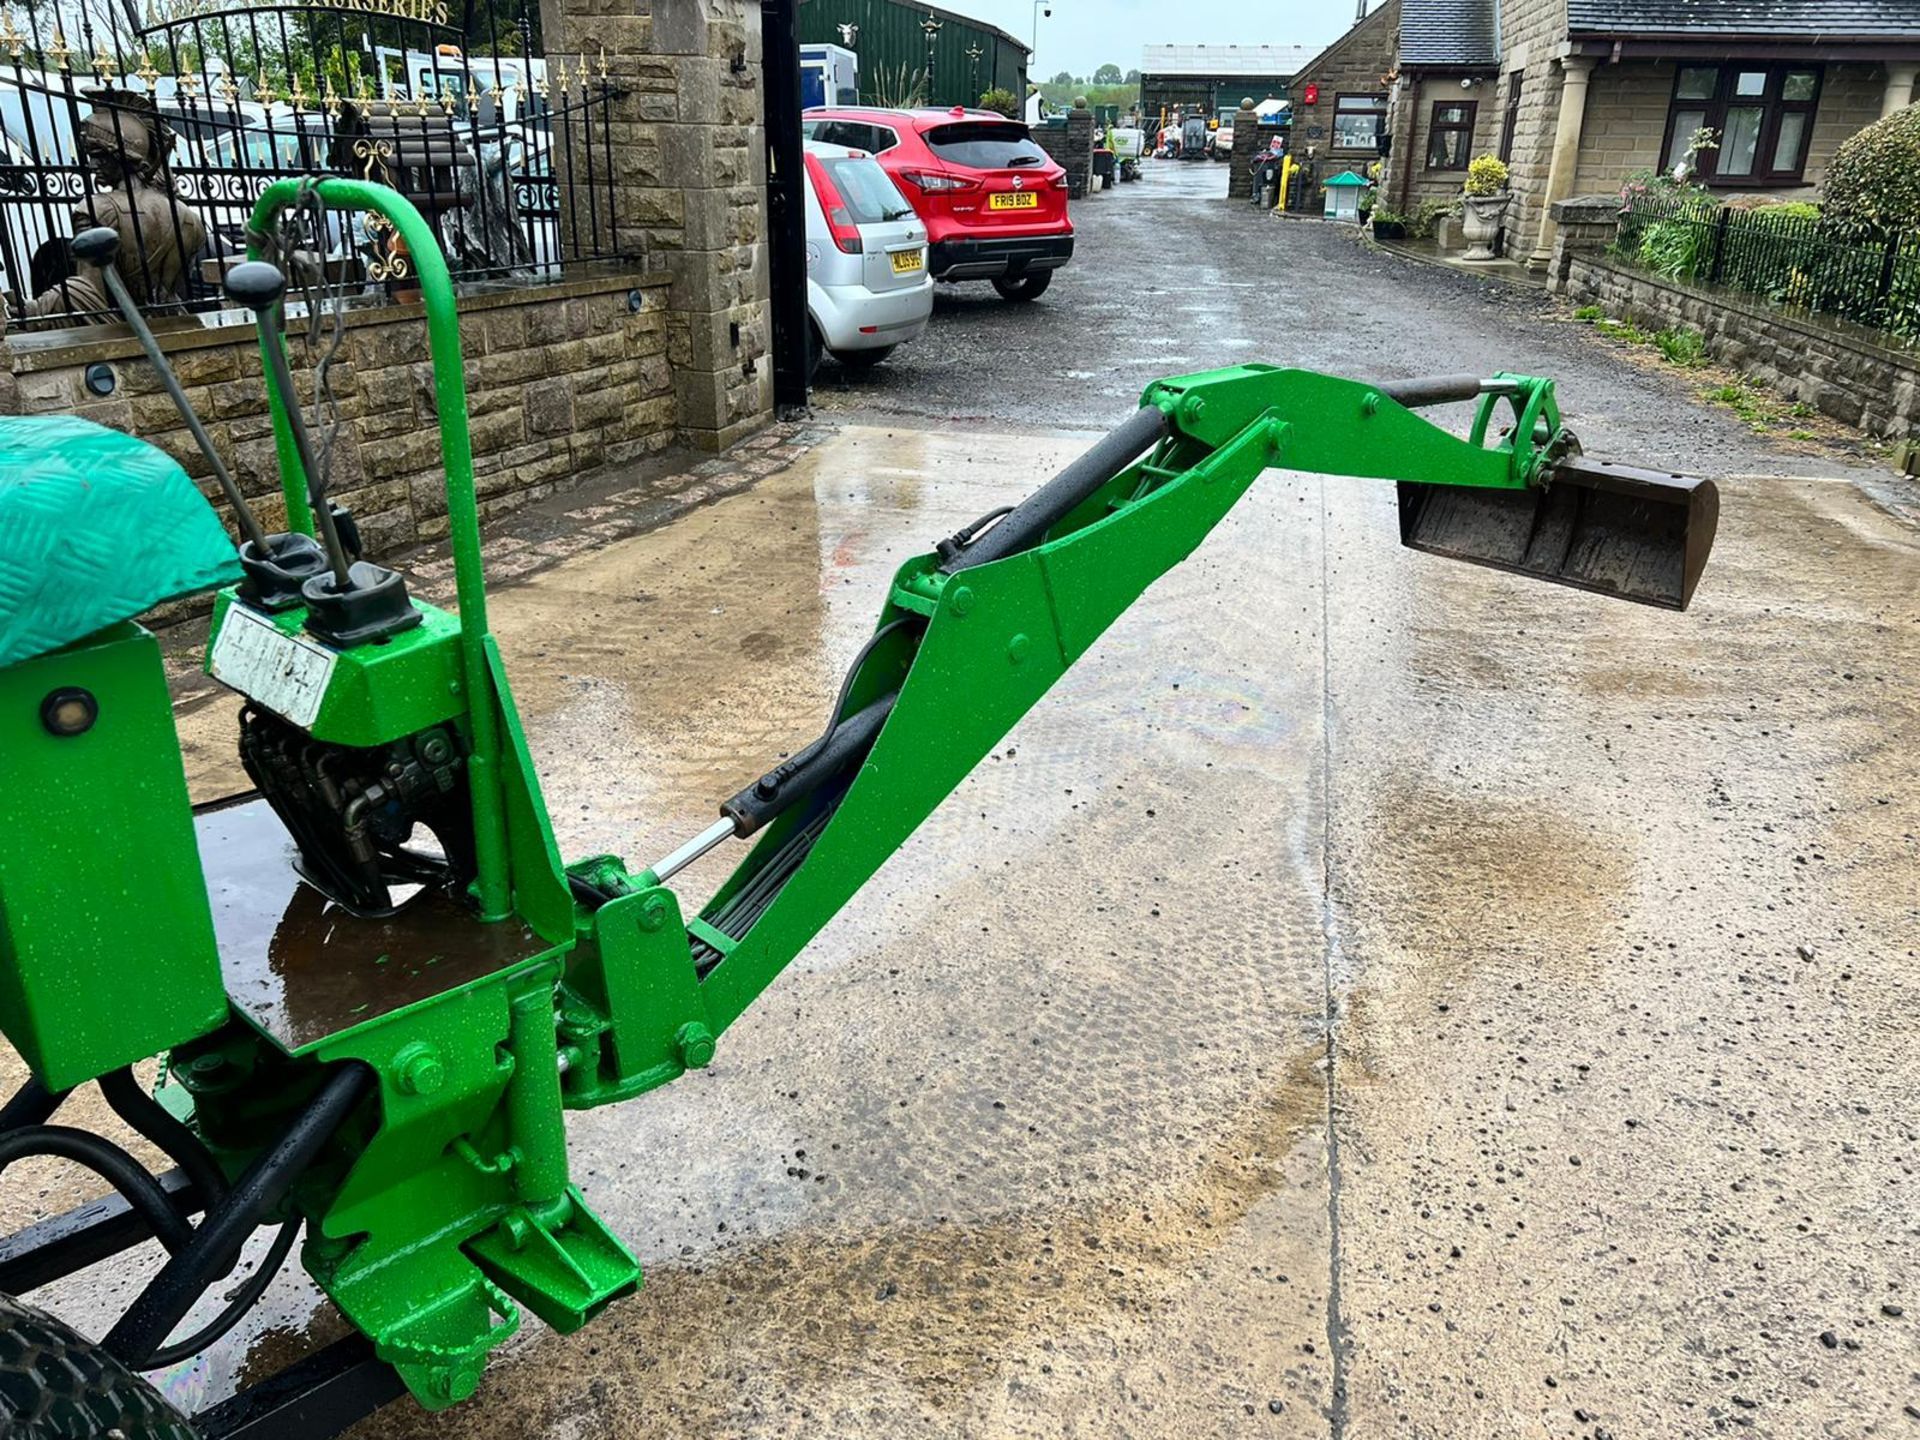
170, 126
1787, 256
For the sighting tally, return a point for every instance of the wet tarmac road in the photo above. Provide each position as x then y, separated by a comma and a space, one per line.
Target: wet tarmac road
1611, 915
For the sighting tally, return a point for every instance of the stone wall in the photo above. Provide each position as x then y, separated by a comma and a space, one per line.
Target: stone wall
1844, 371
689, 164
560, 381
1071, 146
1352, 65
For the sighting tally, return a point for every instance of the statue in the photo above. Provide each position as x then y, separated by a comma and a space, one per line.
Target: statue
124, 148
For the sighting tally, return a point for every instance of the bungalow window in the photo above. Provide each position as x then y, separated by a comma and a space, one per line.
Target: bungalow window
1450, 134
1762, 116
1358, 121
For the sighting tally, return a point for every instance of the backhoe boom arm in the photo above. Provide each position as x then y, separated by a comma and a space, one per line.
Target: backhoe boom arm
972, 634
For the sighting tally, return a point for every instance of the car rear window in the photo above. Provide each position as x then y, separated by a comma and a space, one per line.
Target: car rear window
983, 145
869, 194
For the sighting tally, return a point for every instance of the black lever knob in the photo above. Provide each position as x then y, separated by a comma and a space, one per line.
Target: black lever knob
256, 285
97, 246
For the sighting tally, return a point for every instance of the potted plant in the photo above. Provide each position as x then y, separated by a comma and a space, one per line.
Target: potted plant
1388, 224
1486, 201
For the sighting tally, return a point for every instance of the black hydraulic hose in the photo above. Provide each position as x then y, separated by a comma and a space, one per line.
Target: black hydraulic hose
150, 1119
1041, 511
31, 1104
244, 1299
215, 1246
112, 1164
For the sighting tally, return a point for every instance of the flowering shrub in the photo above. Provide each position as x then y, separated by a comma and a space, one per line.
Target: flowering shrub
1487, 175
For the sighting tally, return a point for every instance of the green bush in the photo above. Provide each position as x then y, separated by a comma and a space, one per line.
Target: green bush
1873, 181
1589, 313
1426, 217
1681, 346
1674, 248
1002, 101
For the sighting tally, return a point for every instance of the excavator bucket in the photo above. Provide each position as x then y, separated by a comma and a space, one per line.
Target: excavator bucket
1635, 534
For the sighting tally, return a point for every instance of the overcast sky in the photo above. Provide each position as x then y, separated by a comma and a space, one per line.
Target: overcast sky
1084, 34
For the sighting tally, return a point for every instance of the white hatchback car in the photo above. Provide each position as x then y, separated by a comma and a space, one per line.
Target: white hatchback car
868, 287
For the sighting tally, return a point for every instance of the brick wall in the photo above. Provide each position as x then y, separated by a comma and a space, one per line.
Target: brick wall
1841, 370
560, 381
1352, 65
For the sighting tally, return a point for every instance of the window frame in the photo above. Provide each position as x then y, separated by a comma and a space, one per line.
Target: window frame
1465, 127
1376, 106
1772, 105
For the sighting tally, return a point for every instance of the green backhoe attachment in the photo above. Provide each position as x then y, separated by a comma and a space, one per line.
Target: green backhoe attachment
417, 987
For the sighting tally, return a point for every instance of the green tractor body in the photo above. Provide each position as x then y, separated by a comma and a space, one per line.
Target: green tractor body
391, 906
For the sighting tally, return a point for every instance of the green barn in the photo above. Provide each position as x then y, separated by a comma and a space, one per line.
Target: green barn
891, 41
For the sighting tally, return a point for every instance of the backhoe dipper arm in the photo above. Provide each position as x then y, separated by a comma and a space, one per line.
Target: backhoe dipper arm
974, 633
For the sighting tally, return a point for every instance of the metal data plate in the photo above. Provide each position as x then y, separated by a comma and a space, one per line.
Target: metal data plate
286, 673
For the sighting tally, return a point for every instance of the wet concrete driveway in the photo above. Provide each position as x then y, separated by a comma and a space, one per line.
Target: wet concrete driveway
1371, 997
1610, 915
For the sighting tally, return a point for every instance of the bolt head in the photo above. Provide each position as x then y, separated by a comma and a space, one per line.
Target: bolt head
696, 1046
1018, 647
653, 913
418, 1070
962, 600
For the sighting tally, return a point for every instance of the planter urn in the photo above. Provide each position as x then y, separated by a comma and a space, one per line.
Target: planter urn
1480, 222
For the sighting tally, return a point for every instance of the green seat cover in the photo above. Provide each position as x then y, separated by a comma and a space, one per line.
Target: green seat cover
95, 527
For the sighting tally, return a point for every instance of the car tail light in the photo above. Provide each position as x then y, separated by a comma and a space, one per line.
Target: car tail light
934, 183
839, 220
1060, 181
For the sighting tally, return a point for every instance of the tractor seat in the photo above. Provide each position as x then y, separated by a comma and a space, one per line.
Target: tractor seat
95, 527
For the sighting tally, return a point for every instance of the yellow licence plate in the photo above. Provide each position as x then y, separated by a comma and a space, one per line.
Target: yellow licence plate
906, 261
1014, 200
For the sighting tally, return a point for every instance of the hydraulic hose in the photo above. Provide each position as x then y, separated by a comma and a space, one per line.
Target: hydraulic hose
151, 1120
1028, 522
112, 1164
215, 1245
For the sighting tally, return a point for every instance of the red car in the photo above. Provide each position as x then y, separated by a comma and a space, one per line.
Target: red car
994, 202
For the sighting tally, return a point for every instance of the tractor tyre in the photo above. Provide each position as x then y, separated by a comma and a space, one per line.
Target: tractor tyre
1027, 287
57, 1385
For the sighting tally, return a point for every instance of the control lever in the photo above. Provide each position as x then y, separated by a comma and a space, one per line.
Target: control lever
359, 603
99, 246
261, 288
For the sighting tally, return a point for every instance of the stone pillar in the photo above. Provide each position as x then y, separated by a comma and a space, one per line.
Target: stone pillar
1567, 124
1079, 156
1246, 144
1583, 225
1899, 91
689, 188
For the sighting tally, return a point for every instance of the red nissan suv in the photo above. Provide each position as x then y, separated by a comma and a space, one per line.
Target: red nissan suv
994, 202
